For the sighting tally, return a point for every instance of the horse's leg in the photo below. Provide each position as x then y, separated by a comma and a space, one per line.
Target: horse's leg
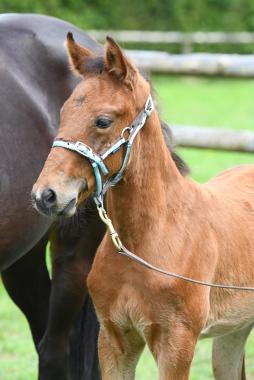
67, 297
243, 369
83, 356
173, 350
28, 284
228, 355
119, 352
72, 258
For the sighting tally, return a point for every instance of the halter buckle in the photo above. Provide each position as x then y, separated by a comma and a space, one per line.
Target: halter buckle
79, 145
149, 106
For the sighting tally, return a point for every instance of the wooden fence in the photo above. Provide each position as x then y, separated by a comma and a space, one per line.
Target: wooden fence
174, 37
195, 63
232, 65
188, 63
212, 138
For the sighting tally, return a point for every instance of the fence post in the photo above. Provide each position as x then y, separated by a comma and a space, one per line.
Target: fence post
187, 44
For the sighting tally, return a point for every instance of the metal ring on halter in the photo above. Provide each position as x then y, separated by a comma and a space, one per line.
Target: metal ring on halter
124, 130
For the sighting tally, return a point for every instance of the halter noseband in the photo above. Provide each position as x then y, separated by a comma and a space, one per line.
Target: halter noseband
97, 160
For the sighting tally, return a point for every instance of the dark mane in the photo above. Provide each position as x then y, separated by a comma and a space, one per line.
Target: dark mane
179, 162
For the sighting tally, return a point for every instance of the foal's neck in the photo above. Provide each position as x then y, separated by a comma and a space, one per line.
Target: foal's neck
152, 186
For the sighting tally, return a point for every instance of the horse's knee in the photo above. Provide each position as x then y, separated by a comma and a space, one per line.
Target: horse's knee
53, 362
173, 350
119, 351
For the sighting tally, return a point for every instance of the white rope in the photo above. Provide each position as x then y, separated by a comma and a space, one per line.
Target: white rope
125, 252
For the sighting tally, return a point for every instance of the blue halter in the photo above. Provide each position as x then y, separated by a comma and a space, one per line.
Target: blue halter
97, 160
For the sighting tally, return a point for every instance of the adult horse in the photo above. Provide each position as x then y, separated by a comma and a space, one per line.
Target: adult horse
35, 82
203, 232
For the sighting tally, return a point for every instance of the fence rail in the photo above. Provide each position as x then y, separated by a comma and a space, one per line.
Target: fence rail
233, 65
175, 37
212, 138
188, 63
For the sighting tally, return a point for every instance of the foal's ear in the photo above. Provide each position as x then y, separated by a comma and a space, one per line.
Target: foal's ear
78, 55
118, 64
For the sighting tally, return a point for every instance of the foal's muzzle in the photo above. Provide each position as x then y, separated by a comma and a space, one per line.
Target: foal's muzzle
60, 201
47, 203
44, 201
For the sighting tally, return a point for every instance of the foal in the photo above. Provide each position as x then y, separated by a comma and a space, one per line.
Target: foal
205, 232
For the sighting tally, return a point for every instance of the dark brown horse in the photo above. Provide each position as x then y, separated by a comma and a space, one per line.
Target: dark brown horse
35, 82
205, 232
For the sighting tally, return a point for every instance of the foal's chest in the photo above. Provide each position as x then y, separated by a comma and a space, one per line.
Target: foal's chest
124, 303
133, 298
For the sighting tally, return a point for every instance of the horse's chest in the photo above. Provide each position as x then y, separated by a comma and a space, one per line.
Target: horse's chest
129, 303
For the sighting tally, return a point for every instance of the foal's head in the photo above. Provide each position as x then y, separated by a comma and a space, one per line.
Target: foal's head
101, 106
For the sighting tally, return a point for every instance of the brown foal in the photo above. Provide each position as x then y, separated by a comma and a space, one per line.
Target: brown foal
201, 231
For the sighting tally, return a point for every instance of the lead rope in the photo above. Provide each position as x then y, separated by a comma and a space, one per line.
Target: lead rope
122, 250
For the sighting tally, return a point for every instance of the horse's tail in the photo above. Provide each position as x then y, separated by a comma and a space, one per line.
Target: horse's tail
83, 347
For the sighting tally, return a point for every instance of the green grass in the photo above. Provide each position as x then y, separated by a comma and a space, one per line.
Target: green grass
194, 101
214, 102
18, 360
211, 102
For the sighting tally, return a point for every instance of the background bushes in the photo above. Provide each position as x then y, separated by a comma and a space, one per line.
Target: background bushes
184, 15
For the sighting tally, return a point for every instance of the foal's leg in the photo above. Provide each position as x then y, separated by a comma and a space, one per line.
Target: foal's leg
119, 352
28, 284
228, 355
172, 350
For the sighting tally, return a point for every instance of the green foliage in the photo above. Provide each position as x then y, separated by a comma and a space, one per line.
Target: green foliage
185, 15
182, 15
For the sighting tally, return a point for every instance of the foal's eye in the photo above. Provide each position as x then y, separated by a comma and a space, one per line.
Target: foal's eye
103, 122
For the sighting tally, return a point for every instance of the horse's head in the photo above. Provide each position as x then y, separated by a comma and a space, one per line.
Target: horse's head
108, 98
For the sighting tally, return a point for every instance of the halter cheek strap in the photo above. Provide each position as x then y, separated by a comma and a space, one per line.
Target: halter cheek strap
97, 160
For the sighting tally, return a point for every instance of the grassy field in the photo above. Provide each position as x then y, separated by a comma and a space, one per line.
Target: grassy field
207, 102
211, 102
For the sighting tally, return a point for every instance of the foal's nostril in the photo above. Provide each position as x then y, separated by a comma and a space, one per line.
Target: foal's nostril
48, 198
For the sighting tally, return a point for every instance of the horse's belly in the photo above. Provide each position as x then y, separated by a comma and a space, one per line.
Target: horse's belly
225, 319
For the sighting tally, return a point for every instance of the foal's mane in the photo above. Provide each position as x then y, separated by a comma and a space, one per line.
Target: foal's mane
181, 165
